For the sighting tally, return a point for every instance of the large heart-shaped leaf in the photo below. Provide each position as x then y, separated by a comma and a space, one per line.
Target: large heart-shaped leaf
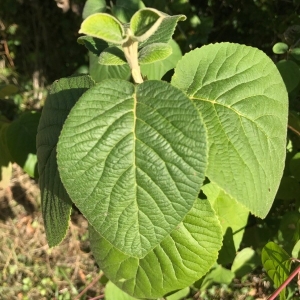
244, 103
132, 159
179, 260
56, 204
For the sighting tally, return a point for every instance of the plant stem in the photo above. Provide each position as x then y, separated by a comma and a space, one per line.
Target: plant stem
89, 286
130, 49
285, 283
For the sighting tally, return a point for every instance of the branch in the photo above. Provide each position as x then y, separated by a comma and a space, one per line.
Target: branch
286, 282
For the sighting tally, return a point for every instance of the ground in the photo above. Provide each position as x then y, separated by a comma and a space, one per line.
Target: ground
28, 268
31, 270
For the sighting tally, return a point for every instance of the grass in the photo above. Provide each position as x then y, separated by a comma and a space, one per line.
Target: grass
29, 269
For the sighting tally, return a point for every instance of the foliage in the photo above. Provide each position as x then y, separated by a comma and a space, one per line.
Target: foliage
132, 153
226, 82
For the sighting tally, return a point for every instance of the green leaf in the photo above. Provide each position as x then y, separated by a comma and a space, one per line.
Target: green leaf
112, 56
124, 9
94, 45
132, 159
244, 105
92, 7
112, 292
277, 264
230, 213
56, 204
217, 275
154, 52
181, 294
164, 32
103, 26
158, 69
296, 250
290, 73
280, 48
295, 53
20, 137
180, 259
245, 262
145, 22
30, 165
100, 72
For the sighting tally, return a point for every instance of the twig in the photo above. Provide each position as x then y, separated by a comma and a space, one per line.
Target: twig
287, 281
6, 50
89, 286
294, 130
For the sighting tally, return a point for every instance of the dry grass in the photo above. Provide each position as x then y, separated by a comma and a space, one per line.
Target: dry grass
29, 269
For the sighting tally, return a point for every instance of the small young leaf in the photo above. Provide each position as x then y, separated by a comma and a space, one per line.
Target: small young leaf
179, 260
295, 53
112, 56
145, 22
158, 69
165, 31
277, 264
290, 73
92, 7
244, 104
280, 48
56, 204
105, 27
124, 9
154, 52
132, 159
